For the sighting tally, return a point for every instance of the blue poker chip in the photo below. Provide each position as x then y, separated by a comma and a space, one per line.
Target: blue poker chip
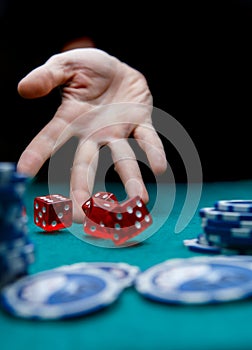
200, 245
229, 237
6, 171
214, 214
11, 211
236, 205
13, 244
125, 274
10, 232
13, 189
19, 266
15, 263
58, 294
7, 252
229, 224
13, 192
197, 280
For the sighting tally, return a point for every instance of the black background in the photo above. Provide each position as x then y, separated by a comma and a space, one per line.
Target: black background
196, 57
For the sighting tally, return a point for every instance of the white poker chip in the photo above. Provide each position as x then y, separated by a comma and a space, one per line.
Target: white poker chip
197, 280
196, 245
229, 216
205, 222
59, 294
125, 274
235, 205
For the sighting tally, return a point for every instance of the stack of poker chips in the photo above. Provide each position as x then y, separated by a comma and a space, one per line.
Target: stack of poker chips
226, 226
16, 250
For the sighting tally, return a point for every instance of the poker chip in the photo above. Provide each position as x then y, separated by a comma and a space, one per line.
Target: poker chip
200, 245
60, 294
6, 171
236, 205
213, 213
242, 232
16, 250
225, 223
229, 237
227, 226
197, 280
124, 273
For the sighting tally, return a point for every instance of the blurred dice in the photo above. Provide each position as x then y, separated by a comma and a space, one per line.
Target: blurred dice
53, 212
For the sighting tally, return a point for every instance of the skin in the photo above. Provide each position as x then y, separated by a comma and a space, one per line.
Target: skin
104, 102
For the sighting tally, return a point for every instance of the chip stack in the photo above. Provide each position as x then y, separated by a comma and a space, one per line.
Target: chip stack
227, 227
16, 249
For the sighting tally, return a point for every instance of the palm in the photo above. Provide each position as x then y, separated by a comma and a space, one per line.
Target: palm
103, 102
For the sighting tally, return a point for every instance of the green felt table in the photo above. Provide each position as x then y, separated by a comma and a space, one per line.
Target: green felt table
133, 322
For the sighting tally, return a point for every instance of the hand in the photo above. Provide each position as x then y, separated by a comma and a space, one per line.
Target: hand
104, 101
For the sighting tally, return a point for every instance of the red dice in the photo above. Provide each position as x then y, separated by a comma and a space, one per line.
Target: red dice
130, 219
53, 212
99, 208
119, 222
106, 196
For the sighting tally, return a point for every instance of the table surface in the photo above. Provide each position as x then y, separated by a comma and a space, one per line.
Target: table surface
133, 322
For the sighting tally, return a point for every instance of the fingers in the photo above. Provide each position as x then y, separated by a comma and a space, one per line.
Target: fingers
44, 144
150, 142
41, 81
128, 169
83, 176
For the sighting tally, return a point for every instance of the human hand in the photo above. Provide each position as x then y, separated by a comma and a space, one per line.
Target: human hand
104, 102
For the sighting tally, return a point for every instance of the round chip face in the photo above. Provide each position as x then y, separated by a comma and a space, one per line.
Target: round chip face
197, 280
124, 273
236, 205
56, 294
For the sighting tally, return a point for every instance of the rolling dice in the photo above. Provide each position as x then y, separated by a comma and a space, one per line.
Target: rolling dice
130, 219
53, 212
109, 219
105, 196
99, 209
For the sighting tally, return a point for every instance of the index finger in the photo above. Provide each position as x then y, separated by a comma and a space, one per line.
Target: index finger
148, 139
